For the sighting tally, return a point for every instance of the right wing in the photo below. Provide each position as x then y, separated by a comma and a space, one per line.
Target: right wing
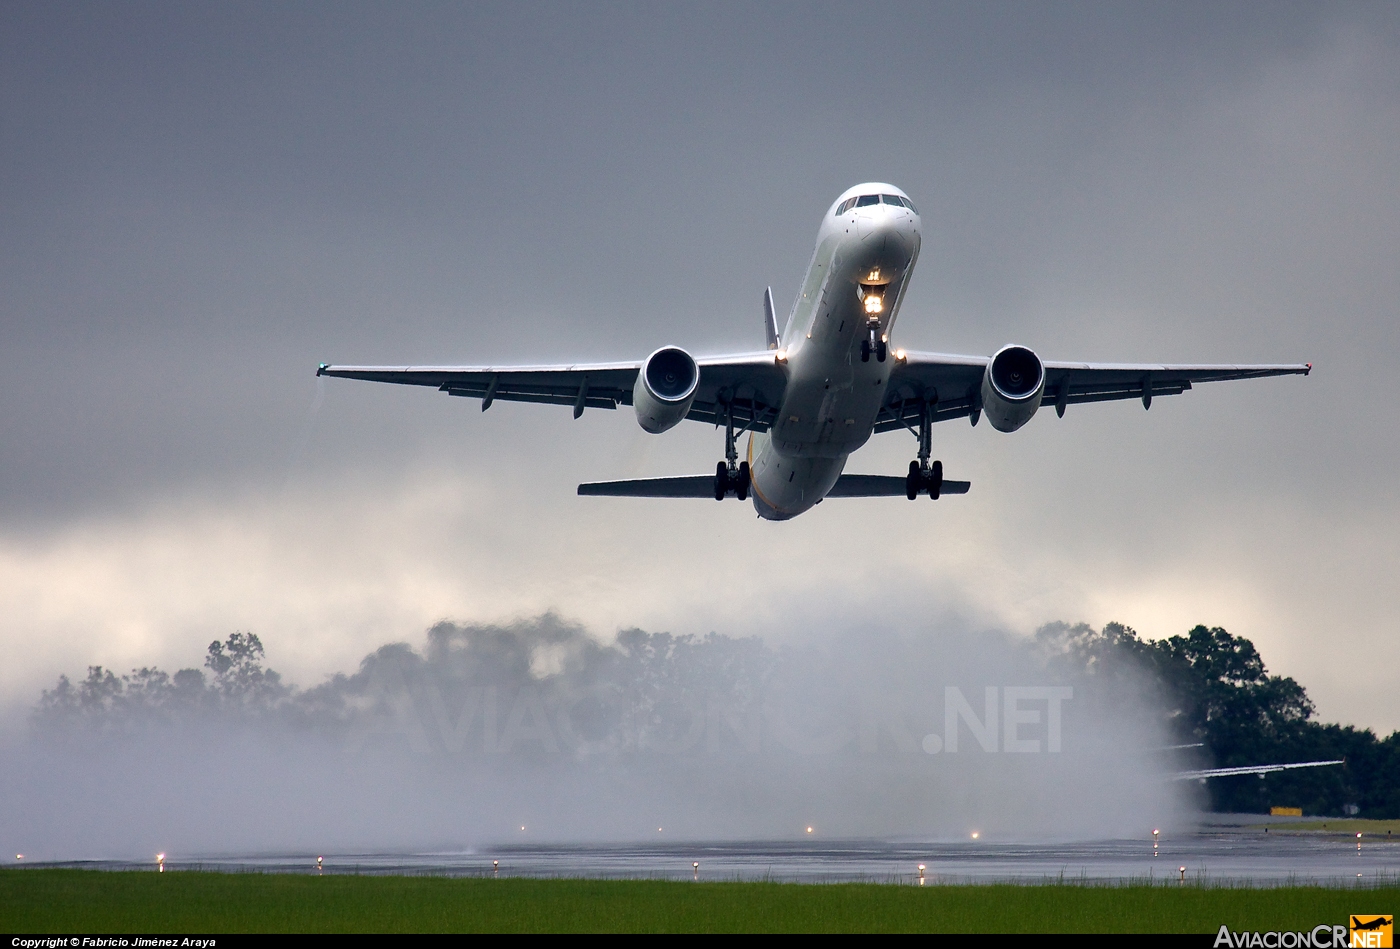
952, 384
752, 383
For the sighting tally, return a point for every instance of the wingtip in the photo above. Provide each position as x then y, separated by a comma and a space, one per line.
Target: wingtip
1307, 370
321, 369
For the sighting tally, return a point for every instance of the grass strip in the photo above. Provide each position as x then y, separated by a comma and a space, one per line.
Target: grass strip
54, 901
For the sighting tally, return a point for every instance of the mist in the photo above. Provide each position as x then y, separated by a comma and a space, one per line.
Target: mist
538, 731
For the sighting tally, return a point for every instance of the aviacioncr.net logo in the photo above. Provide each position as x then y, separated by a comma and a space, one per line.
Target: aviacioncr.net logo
1372, 932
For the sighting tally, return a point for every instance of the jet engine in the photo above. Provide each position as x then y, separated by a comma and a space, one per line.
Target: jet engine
665, 389
1012, 388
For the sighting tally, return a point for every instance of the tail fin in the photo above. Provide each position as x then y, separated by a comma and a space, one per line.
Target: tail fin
770, 320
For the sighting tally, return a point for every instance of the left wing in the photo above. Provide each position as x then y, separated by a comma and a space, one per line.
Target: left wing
952, 384
752, 383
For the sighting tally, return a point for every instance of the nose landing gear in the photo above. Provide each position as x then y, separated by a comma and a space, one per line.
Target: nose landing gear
731, 475
875, 344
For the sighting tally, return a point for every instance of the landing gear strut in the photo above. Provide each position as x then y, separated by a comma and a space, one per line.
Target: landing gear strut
923, 477
874, 345
731, 475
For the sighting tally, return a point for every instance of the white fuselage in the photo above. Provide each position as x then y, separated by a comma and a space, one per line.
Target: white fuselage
855, 283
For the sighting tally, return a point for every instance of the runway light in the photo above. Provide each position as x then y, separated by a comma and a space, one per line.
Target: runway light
696, 867
1183, 874
160, 862
19, 856
976, 834
921, 874
496, 867
318, 864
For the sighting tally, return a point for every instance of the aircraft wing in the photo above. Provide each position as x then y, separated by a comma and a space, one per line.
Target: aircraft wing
752, 382
1259, 769
953, 384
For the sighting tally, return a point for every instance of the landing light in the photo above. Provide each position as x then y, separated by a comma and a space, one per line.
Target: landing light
873, 304
781, 355
874, 275
900, 355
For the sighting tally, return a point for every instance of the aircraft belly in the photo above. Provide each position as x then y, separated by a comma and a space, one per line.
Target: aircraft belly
832, 399
783, 486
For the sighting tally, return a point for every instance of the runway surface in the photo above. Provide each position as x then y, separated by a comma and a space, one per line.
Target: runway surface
1220, 854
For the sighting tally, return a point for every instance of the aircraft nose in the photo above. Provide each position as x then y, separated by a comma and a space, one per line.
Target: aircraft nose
889, 233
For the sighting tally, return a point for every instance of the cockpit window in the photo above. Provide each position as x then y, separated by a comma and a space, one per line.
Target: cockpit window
866, 200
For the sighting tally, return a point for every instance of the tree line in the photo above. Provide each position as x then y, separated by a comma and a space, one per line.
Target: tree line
1214, 689
1209, 688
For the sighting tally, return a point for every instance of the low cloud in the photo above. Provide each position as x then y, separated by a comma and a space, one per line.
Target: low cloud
537, 731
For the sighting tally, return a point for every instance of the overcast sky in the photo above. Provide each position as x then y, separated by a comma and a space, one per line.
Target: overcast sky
200, 202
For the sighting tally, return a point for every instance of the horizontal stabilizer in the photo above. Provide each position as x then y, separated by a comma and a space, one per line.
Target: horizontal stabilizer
693, 486
703, 486
884, 486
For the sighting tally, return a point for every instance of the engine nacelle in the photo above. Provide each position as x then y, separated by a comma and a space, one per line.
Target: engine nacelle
1012, 387
665, 389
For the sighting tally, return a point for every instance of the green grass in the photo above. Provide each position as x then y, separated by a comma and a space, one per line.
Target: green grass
90, 901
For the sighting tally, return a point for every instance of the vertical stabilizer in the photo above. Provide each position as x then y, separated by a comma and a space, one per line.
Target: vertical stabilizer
770, 320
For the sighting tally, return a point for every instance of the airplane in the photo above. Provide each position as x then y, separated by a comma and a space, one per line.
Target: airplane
1259, 769
825, 384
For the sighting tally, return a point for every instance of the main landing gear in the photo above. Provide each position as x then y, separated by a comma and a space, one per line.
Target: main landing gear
731, 475
924, 477
874, 345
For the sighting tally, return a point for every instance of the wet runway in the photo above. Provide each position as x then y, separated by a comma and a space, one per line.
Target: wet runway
1212, 854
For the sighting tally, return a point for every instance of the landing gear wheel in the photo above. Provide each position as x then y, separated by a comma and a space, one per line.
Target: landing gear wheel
881, 350
721, 481
914, 481
935, 480
865, 350
741, 484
